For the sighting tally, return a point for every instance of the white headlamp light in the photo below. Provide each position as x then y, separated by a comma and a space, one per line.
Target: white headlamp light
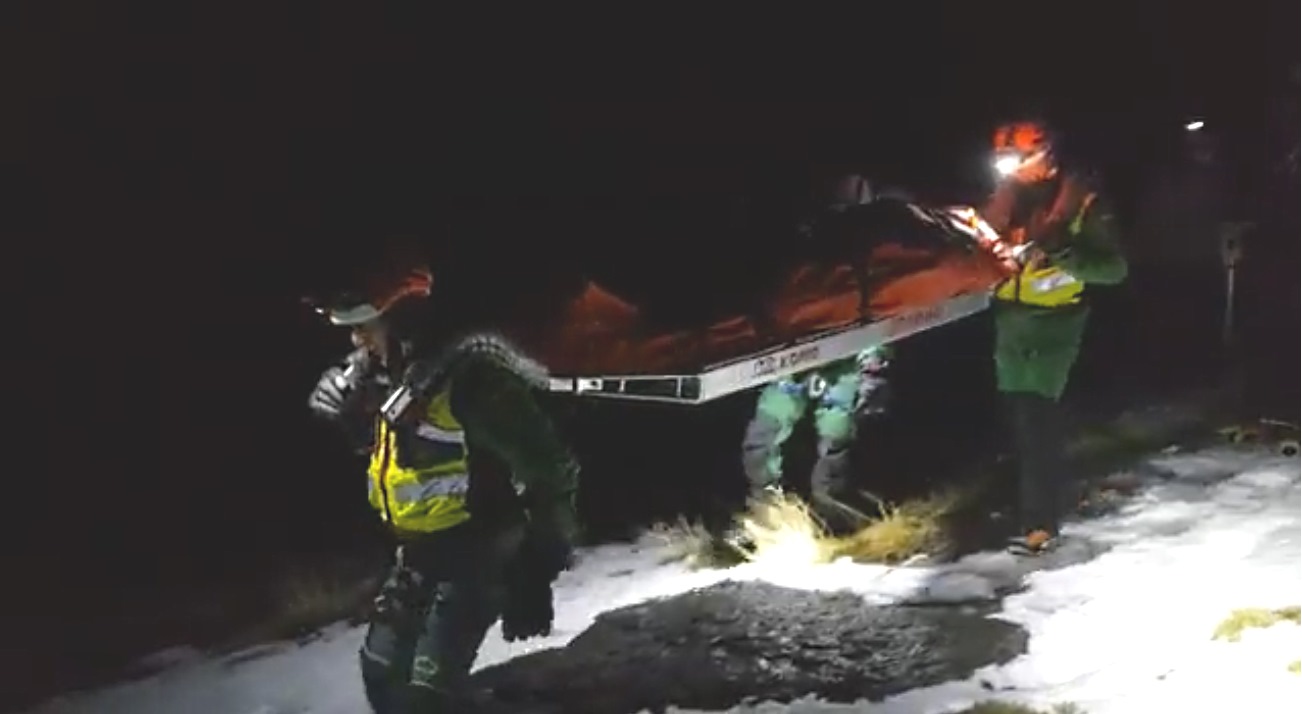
1007, 164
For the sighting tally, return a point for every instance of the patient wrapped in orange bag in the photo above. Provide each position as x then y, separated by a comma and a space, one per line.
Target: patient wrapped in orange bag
869, 263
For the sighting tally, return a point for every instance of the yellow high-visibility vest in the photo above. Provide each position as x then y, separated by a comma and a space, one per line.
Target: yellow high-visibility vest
430, 496
1051, 286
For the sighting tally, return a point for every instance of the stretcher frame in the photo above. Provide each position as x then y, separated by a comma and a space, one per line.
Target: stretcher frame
757, 369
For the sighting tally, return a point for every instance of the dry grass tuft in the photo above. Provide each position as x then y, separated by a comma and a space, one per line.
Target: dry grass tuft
775, 527
780, 529
695, 545
1232, 627
309, 600
306, 600
900, 532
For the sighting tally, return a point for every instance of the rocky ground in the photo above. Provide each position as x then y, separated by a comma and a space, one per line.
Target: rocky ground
718, 646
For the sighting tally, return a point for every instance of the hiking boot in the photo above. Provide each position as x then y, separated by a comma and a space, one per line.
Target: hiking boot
1032, 543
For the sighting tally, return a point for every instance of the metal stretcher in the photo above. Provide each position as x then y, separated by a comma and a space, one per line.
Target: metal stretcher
754, 370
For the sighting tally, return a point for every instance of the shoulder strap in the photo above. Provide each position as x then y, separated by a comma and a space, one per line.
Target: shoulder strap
1075, 226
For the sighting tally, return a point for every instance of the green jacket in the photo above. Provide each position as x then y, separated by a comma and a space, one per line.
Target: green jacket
494, 396
1035, 347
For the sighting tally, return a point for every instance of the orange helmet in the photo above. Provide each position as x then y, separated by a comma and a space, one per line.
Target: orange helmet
1019, 145
1026, 137
400, 276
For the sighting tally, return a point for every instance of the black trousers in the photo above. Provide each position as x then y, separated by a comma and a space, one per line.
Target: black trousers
1044, 485
422, 654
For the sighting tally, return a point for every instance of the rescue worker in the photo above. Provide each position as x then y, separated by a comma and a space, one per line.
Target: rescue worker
467, 472
844, 397
1063, 240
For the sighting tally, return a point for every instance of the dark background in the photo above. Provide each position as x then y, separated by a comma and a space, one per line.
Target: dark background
173, 178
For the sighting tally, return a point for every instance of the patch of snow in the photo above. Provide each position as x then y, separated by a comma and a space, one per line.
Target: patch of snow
318, 678
1122, 625
167, 658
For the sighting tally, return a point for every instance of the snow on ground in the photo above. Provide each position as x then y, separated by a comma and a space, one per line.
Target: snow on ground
1126, 631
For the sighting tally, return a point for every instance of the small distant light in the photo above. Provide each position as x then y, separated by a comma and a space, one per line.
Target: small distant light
1007, 165
1194, 125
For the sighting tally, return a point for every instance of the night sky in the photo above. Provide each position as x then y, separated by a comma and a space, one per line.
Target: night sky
174, 177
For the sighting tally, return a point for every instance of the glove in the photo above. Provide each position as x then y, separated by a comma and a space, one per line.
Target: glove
338, 386
553, 529
330, 394
875, 359
549, 554
528, 610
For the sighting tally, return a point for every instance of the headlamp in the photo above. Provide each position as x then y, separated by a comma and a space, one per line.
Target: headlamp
345, 310
379, 293
1007, 163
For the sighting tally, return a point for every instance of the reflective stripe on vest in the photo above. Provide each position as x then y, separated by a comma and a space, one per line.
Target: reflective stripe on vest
1048, 287
425, 497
